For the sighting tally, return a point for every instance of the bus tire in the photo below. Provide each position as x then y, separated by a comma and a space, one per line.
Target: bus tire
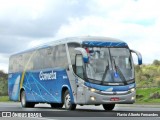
24, 103
108, 107
67, 101
56, 105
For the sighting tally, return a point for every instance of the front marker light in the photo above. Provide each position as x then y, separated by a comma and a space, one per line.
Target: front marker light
133, 90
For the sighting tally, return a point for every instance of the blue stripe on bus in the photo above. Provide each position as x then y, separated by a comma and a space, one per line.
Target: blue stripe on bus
37, 90
111, 88
104, 44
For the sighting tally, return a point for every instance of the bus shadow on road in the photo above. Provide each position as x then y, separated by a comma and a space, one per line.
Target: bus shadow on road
76, 110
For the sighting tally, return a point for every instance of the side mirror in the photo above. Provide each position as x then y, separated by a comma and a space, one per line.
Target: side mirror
84, 54
139, 56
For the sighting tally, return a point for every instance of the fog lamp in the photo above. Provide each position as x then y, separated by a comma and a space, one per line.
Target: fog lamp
92, 98
133, 98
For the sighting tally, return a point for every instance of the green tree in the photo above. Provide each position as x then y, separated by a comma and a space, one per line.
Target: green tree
156, 62
3, 83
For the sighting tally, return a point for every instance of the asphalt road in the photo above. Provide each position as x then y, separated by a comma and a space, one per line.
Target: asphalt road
87, 112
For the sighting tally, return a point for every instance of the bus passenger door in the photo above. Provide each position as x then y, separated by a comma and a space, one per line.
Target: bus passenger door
80, 91
79, 70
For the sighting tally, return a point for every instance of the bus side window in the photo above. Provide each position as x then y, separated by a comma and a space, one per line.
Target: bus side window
59, 56
20, 62
11, 65
36, 60
39, 59
48, 57
62, 56
79, 66
72, 53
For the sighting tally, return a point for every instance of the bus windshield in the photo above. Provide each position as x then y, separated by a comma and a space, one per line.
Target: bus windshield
109, 65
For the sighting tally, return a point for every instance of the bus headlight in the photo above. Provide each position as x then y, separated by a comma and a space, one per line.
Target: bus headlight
133, 90
93, 90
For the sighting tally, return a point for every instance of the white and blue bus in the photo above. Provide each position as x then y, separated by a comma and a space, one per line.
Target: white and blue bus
74, 71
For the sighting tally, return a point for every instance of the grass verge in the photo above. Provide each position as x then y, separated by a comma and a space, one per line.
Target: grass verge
4, 99
144, 95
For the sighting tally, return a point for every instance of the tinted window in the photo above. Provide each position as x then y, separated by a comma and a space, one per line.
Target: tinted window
72, 52
51, 57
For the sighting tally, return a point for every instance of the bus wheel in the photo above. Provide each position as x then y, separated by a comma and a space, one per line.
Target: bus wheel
56, 105
24, 103
108, 106
67, 101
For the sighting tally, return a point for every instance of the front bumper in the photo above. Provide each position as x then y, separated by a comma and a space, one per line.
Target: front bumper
96, 98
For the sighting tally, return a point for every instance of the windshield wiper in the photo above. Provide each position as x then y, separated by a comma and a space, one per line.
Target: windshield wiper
117, 70
105, 73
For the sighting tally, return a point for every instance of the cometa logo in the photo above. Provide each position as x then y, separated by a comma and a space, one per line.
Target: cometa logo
47, 76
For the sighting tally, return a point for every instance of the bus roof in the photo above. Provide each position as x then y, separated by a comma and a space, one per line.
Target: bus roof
84, 40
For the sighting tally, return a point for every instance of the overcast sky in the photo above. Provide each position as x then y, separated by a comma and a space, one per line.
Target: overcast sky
27, 23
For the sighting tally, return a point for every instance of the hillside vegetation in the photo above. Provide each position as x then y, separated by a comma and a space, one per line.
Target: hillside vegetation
148, 76
3, 83
148, 83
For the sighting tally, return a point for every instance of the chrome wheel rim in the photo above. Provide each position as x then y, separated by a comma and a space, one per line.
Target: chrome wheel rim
67, 101
23, 99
